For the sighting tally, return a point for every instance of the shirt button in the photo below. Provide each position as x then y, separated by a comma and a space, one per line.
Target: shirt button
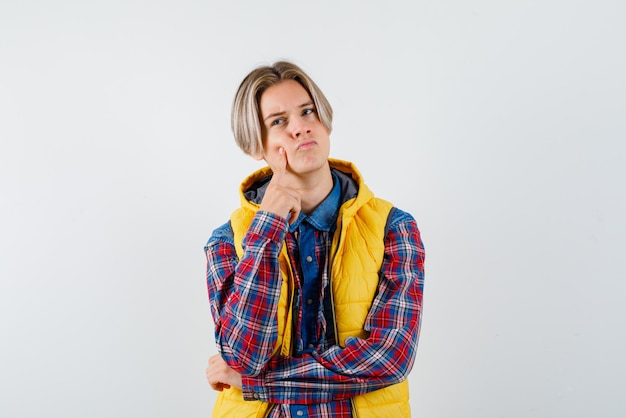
311, 346
256, 396
309, 258
299, 413
309, 301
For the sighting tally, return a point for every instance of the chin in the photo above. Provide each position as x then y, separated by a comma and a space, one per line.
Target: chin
311, 164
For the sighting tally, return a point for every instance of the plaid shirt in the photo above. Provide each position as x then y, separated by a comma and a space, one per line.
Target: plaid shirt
244, 294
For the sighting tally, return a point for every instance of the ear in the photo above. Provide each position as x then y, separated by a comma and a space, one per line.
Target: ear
257, 157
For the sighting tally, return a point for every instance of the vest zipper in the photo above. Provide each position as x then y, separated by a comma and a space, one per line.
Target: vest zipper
295, 302
355, 414
331, 262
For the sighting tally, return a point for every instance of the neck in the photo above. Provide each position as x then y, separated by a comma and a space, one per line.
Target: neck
313, 188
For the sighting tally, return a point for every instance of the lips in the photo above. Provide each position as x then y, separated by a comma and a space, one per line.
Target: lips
306, 145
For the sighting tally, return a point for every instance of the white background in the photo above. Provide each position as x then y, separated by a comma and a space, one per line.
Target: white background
499, 125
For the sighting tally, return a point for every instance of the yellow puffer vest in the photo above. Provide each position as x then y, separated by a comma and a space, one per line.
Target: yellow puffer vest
358, 248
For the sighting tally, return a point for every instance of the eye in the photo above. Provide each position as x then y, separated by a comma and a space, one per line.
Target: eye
276, 122
308, 111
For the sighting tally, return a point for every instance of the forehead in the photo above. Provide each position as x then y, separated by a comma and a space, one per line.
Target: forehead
282, 96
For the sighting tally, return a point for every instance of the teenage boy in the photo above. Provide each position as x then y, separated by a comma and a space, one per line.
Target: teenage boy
315, 285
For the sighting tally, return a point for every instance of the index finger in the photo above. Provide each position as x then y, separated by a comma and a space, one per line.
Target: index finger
279, 168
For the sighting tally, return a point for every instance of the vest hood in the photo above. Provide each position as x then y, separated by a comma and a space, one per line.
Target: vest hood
354, 191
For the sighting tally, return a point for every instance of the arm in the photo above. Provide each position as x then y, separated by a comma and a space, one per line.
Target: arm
244, 293
363, 365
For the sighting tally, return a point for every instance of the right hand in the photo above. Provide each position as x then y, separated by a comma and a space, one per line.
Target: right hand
220, 376
279, 198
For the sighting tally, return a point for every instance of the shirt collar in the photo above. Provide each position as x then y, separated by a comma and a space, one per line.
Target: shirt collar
325, 214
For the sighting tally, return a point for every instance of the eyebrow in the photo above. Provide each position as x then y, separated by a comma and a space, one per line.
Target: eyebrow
273, 115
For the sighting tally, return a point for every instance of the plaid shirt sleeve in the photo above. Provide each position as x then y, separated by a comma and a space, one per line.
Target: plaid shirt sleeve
363, 365
243, 294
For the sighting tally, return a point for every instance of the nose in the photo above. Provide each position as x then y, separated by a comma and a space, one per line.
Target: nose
300, 129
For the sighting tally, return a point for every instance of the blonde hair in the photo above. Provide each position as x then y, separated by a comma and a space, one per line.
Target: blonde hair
246, 121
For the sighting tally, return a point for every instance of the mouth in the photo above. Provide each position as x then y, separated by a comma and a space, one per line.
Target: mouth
306, 145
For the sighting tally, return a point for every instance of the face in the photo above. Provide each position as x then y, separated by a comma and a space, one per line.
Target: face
290, 121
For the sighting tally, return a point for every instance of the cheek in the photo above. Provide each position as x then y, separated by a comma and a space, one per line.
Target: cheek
270, 151
271, 144
268, 141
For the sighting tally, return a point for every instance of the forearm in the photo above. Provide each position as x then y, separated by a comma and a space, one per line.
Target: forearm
338, 373
244, 294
